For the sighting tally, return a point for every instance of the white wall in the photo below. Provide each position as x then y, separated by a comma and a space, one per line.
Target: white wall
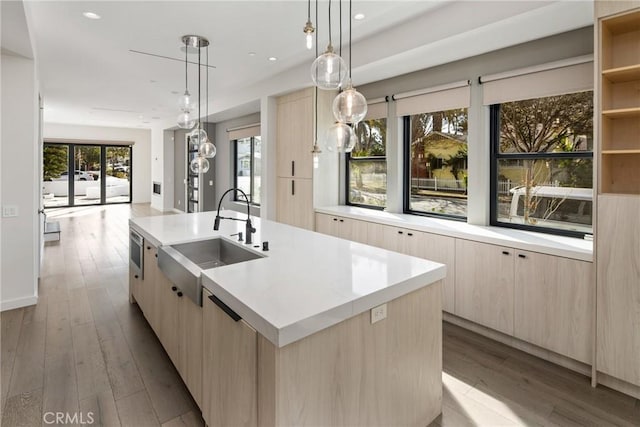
141, 139
19, 263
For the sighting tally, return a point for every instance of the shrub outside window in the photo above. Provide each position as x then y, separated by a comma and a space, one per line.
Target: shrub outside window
436, 170
367, 165
542, 164
247, 155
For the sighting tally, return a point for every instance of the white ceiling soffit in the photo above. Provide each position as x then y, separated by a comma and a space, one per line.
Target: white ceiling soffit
89, 77
15, 32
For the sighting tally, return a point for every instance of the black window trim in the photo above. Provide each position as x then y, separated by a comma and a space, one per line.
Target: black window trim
251, 176
406, 142
494, 138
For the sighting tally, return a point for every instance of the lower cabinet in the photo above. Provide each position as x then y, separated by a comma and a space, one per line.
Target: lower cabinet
442, 249
554, 304
294, 202
230, 351
190, 347
344, 228
484, 284
145, 292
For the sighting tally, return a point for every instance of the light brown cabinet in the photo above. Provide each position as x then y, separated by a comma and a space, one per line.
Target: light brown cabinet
484, 284
230, 350
294, 202
145, 292
554, 304
294, 134
618, 287
442, 249
344, 228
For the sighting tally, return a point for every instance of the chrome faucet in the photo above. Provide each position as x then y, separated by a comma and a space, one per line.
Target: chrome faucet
249, 228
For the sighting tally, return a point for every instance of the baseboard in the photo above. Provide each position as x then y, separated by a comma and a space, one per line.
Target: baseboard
18, 302
177, 211
514, 342
618, 384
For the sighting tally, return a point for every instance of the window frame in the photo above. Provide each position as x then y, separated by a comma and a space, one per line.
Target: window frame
347, 183
496, 156
251, 170
406, 176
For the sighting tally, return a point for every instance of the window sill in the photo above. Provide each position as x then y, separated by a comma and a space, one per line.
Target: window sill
549, 244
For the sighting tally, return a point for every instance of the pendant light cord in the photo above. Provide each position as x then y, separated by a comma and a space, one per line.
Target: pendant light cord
207, 97
329, 22
316, 86
309, 11
199, 80
186, 80
340, 32
350, 18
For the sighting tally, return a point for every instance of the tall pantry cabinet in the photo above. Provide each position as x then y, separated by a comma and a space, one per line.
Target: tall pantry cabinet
618, 205
295, 134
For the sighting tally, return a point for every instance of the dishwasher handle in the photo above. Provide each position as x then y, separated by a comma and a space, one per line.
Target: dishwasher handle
224, 307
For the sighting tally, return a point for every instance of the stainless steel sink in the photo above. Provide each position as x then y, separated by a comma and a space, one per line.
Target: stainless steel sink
183, 263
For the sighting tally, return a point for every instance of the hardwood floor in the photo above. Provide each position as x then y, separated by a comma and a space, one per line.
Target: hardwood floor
84, 349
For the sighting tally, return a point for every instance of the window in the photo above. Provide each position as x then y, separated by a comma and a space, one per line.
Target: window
436, 166
367, 165
247, 154
542, 163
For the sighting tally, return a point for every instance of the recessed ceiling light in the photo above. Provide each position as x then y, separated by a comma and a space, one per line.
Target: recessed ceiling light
252, 54
175, 92
91, 15
273, 58
358, 16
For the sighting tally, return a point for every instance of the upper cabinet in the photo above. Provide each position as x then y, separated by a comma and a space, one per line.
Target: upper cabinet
619, 102
295, 135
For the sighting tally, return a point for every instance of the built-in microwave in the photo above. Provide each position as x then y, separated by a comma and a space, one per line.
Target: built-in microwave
136, 255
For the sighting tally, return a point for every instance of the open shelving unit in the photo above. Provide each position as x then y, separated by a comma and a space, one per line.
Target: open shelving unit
620, 104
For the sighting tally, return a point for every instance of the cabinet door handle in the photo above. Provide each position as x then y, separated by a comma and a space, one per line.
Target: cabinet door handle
156, 255
342, 220
135, 276
522, 255
293, 168
409, 234
335, 219
505, 252
224, 307
174, 288
293, 188
400, 232
179, 294
148, 247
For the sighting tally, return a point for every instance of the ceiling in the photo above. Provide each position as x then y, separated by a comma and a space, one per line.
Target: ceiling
89, 75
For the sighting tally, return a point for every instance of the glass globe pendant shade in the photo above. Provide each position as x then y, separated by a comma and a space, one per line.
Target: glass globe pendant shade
340, 137
185, 103
207, 150
329, 70
350, 106
199, 165
186, 120
198, 136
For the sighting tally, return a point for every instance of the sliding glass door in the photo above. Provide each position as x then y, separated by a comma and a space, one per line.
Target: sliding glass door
83, 174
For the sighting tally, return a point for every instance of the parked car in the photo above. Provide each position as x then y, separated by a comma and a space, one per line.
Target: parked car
80, 176
568, 208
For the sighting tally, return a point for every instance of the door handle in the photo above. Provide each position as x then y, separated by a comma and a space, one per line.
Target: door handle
224, 307
293, 168
293, 188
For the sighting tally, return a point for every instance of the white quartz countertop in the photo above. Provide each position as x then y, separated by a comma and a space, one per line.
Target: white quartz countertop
306, 281
567, 247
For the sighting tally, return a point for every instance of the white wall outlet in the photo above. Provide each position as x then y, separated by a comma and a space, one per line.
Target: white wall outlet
378, 313
211, 183
9, 211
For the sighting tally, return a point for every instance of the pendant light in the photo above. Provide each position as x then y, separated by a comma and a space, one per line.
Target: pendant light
308, 27
197, 137
340, 137
185, 103
329, 70
350, 106
206, 149
316, 151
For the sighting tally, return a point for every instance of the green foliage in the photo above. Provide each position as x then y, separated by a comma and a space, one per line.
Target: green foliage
54, 161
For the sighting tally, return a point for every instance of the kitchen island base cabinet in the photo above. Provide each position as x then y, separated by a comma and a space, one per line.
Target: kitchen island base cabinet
229, 368
356, 373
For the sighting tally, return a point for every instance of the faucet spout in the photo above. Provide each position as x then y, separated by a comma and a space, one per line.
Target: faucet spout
249, 229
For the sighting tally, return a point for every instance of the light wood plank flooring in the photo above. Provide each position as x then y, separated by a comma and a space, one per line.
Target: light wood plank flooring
84, 349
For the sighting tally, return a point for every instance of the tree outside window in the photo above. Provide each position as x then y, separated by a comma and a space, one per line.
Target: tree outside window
367, 165
541, 144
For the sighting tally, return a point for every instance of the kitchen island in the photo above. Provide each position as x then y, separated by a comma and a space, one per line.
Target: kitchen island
289, 338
